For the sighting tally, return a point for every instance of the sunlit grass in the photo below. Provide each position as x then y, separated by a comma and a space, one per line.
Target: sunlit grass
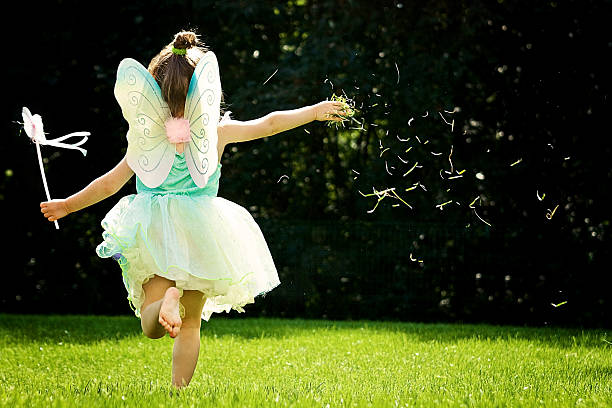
258, 362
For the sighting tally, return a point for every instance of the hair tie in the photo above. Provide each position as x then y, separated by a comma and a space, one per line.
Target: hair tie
179, 51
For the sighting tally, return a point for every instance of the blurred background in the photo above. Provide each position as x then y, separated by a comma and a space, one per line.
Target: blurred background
487, 117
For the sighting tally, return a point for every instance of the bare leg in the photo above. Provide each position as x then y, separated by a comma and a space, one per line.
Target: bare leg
187, 343
155, 290
149, 321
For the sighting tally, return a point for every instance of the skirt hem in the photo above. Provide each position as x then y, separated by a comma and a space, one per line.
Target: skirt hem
220, 251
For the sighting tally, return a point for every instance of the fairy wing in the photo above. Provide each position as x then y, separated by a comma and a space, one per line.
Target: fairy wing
149, 154
202, 111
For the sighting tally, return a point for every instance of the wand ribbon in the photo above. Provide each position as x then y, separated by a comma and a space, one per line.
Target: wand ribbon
33, 127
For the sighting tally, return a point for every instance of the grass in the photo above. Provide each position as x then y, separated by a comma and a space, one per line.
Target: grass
260, 362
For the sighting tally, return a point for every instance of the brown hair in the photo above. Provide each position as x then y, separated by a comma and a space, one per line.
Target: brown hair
173, 71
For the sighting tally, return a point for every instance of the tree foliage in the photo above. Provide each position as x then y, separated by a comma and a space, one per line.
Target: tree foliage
511, 93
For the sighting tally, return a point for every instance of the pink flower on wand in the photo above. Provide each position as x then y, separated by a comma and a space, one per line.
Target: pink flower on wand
33, 126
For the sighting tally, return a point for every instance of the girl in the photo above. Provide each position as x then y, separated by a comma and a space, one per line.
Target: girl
184, 252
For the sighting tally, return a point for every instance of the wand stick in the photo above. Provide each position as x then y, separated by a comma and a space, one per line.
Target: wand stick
44, 179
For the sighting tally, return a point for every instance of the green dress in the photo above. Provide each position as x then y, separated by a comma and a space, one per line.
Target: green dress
189, 235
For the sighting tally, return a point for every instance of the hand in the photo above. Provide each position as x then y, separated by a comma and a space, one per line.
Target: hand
54, 210
330, 110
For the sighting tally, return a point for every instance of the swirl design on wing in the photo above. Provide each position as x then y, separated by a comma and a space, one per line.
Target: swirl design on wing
202, 144
210, 100
146, 146
147, 82
149, 139
143, 159
202, 111
149, 153
134, 100
204, 117
210, 96
131, 79
138, 99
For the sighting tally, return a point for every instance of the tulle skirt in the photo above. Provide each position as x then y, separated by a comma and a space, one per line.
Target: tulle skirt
204, 243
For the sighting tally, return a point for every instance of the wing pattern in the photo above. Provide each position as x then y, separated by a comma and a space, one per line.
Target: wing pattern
202, 111
149, 152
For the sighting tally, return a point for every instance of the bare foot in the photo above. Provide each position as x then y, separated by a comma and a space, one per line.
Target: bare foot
169, 316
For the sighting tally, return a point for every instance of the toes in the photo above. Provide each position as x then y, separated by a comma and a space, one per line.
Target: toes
172, 328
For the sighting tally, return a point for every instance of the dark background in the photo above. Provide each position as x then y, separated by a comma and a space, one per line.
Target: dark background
526, 80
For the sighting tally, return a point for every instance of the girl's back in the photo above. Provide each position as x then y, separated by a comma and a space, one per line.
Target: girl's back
184, 252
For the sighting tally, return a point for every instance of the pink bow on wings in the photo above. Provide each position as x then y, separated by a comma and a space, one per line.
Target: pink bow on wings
33, 126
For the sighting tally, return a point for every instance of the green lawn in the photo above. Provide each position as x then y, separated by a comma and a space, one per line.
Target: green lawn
258, 362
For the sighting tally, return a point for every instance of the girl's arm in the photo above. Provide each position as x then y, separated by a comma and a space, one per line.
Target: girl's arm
99, 189
233, 131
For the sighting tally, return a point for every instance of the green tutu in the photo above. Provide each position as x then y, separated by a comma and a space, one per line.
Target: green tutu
189, 235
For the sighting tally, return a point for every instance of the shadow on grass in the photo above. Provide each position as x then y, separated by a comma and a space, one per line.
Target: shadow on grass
77, 329
81, 329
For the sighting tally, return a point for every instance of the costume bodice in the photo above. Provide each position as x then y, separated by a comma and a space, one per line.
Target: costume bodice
179, 181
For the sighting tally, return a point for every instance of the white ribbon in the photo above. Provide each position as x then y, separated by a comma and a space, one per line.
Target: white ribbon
57, 142
33, 127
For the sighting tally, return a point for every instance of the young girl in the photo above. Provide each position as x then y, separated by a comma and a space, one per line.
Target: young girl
184, 252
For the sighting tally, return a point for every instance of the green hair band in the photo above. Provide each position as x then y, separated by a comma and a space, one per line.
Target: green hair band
179, 51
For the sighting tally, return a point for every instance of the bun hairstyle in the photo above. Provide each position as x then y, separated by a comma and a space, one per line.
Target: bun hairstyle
173, 67
185, 40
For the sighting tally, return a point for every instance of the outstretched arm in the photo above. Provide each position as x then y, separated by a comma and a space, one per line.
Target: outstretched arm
233, 131
99, 189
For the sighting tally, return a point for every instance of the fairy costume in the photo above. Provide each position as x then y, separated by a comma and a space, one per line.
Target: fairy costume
176, 226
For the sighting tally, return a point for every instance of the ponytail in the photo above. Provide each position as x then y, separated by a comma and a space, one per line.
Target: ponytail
173, 67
